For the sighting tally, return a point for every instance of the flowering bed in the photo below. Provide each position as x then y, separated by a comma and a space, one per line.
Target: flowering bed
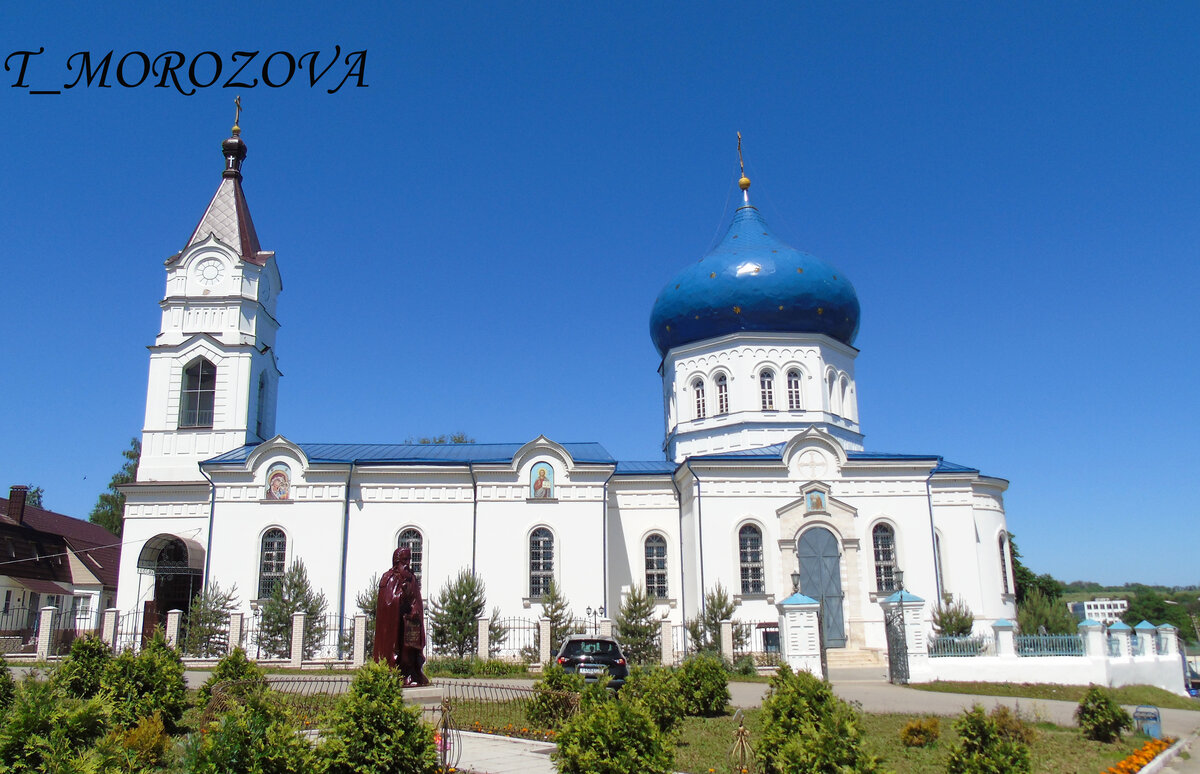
1146, 753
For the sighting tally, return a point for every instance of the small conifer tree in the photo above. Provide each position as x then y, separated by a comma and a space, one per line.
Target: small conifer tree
207, 627
952, 617
705, 629
557, 608
638, 627
1040, 614
453, 616
293, 594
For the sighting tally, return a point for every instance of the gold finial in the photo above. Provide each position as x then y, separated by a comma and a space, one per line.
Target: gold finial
237, 114
743, 182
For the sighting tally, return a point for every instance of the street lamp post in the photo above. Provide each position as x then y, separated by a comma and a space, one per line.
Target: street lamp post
594, 614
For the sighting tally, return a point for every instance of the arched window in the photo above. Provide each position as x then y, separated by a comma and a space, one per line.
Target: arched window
844, 397
795, 399
830, 381
698, 389
273, 561
541, 562
766, 388
199, 392
722, 394
262, 405
411, 539
1004, 563
885, 557
656, 567
750, 556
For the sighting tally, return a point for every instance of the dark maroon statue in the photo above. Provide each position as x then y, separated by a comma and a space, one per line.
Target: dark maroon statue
400, 620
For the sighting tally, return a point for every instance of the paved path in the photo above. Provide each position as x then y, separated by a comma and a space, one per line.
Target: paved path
486, 754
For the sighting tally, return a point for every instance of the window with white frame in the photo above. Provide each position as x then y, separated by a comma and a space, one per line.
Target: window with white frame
262, 405
411, 539
766, 389
698, 392
884, 539
1004, 563
750, 557
656, 567
722, 394
795, 397
273, 557
541, 562
198, 394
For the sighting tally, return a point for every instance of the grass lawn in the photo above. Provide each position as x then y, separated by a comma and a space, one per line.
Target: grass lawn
1130, 694
703, 745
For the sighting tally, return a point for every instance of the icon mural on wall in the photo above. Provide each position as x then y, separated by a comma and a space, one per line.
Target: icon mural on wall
816, 501
541, 485
279, 481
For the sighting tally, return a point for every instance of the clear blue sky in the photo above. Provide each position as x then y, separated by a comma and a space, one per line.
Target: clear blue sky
474, 241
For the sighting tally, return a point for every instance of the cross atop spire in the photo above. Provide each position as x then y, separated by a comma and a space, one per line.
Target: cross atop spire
743, 181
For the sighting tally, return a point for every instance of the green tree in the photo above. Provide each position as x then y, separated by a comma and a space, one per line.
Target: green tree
109, 511
206, 631
1149, 605
34, 495
367, 601
1039, 612
453, 616
952, 617
1026, 581
293, 594
705, 629
638, 627
557, 608
438, 439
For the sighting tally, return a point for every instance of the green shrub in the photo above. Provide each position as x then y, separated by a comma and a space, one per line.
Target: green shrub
139, 685
1037, 613
984, 750
43, 729
234, 667
251, 738
79, 674
1100, 717
206, 627
555, 698
144, 748
658, 689
1010, 725
806, 728
638, 627
613, 737
921, 732
704, 684
952, 617
373, 730
745, 667
8, 686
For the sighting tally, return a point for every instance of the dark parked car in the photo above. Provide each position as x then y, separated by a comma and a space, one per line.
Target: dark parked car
591, 657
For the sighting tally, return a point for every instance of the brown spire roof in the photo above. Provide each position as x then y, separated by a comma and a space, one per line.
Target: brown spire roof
228, 216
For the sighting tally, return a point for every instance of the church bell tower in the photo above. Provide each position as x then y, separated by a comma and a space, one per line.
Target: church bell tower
213, 375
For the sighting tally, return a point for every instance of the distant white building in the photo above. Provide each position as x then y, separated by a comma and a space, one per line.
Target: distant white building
765, 468
1103, 609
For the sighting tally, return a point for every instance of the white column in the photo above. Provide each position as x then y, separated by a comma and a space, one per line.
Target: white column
1170, 638
727, 640
1120, 632
174, 617
297, 659
1006, 644
544, 640
1095, 644
108, 629
359, 653
799, 635
235, 631
45, 632
483, 635
666, 636
606, 626
1147, 635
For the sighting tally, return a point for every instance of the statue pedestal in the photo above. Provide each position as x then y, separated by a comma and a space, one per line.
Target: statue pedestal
423, 695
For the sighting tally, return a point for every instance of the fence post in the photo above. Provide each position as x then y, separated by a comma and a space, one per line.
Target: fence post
606, 627
799, 633
727, 640
1147, 634
1120, 632
45, 632
1006, 644
108, 628
1170, 640
359, 655
1094, 645
483, 643
666, 638
173, 619
297, 640
544, 643
235, 631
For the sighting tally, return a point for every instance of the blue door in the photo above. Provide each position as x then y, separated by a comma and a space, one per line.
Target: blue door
821, 579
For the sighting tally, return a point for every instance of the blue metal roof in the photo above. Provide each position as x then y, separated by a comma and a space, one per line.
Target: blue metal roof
652, 467
421, 453
775, 451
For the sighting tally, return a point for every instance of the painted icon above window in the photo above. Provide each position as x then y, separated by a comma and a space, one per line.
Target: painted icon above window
816, 501
541, 482
279, 481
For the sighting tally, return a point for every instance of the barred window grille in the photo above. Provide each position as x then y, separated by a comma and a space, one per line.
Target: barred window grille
198, 394
656, 567
541, 562
698, 390
766, 388
273, 564
750, 551
722, 394
412, 540
795, 398
885, 557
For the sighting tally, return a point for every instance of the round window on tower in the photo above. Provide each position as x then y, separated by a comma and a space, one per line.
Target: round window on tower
209, 272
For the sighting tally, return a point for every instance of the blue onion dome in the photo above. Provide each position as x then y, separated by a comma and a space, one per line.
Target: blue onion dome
751, 281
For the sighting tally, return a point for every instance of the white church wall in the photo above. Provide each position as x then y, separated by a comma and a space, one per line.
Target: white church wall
639, 508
